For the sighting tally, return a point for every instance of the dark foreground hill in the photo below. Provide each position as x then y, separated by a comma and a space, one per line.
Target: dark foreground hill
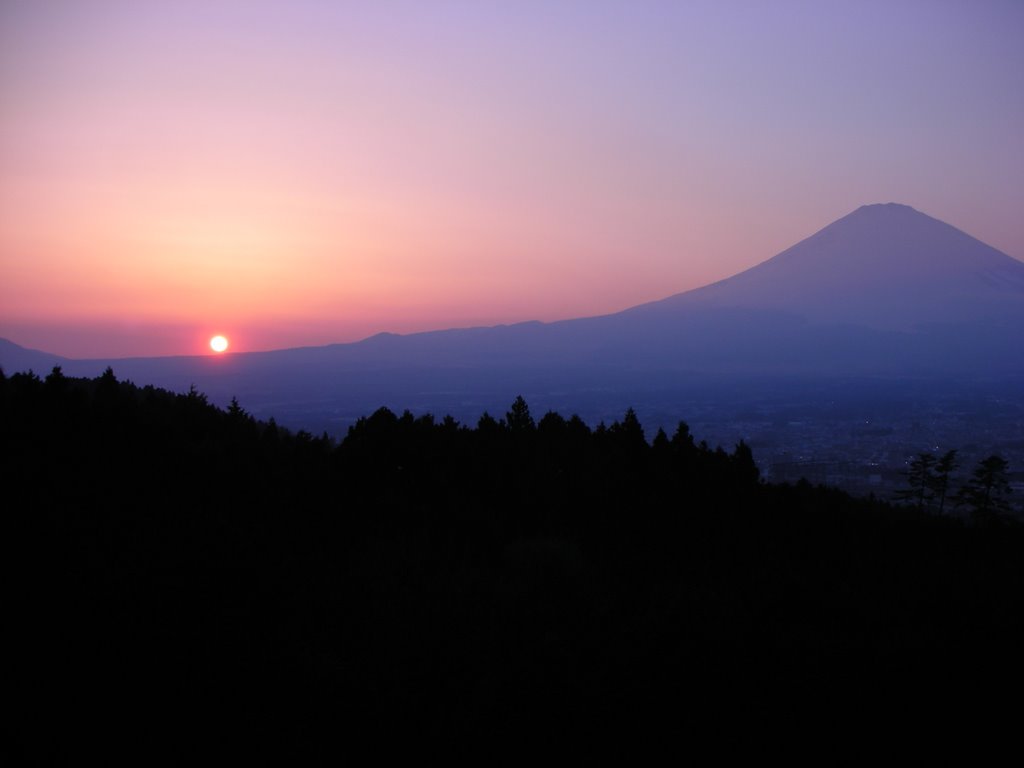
191, 585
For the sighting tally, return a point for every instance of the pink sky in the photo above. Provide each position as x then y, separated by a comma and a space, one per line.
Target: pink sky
302, 173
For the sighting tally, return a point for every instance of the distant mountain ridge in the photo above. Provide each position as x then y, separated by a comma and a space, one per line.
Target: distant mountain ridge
16, 358
885, 291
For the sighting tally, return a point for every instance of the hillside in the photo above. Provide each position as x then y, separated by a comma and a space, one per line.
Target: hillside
238, 591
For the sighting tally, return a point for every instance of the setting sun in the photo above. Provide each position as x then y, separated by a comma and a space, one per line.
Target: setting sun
218, 344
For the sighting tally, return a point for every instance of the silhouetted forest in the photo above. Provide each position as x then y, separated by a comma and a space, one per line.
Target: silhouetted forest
184, 575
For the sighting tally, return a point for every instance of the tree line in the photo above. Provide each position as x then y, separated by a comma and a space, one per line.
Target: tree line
985, 495
214, 579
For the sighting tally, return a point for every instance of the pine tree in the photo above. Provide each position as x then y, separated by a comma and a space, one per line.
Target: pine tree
235, 411
744, 466
985, 494
921, 481
518, 417
945, 467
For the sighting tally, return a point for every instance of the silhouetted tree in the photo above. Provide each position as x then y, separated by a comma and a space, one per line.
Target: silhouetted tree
944, 468
682, 440
628, 434
661, 442
235, 410
744, 466
106, 387
552, 423
985, 493
920, 480
56, 376
518, 417
487, 425
577, 425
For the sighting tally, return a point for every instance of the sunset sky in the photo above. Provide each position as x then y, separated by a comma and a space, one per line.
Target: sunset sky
298, 173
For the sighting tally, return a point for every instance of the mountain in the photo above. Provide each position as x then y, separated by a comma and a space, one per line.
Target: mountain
884, 292
14, 358
883, 266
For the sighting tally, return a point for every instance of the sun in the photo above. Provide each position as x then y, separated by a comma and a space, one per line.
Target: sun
218, 344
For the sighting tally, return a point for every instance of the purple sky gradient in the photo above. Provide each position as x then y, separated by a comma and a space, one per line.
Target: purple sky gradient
295, 173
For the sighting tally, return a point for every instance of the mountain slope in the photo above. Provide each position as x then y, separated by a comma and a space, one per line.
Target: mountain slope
883, 266
15, 358
883, 292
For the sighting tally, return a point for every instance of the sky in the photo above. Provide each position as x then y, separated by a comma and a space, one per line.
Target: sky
301, 173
